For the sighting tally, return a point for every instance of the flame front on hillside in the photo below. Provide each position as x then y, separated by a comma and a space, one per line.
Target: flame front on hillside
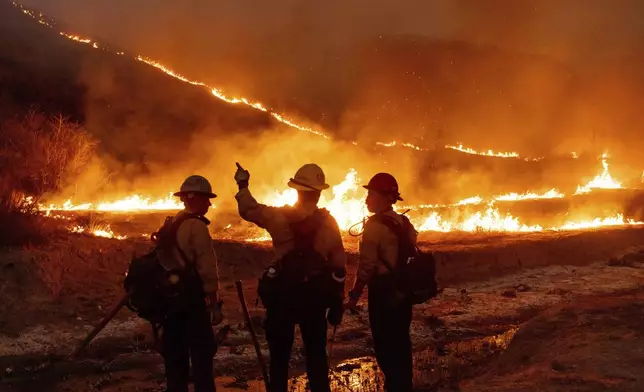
489, 153
346, 204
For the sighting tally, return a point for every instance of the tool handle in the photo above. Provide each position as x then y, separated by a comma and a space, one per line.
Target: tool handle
99, 327
249, 324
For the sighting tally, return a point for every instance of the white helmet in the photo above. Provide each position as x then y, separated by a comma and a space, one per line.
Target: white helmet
309, 177
196, 184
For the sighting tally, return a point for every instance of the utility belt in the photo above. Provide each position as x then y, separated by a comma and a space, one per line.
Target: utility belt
382, 283
384, 288
317, 290
182, 290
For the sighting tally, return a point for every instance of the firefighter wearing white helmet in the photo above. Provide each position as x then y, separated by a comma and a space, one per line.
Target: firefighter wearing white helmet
187, 335
307, 277
195, 185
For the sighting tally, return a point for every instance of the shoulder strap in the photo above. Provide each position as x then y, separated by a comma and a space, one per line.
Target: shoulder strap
174, 230
399, 230
305, 230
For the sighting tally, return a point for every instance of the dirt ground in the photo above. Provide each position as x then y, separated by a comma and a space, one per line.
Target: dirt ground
585, 284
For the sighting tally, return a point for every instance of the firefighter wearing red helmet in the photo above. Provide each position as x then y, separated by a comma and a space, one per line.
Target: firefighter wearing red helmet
389, 316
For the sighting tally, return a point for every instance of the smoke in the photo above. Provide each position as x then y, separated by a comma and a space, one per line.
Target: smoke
539, 77
316, 59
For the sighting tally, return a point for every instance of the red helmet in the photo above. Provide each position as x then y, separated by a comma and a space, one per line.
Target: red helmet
384, 183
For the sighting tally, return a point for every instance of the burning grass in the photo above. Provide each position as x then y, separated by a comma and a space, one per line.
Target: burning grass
38, 156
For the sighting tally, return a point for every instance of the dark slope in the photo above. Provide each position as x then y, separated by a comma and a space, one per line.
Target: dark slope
138, 113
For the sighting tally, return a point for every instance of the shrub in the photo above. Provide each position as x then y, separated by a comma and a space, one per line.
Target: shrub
38, 155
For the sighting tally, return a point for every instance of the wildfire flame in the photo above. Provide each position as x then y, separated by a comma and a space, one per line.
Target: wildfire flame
395, 143
347, 204
617, 220
602, 181
488, 153
489, 220
76, 38
128, 204
105, 231
551, 194
40, 18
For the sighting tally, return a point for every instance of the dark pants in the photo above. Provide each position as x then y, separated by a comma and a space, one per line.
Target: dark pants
392, 343
280, 331
188, 337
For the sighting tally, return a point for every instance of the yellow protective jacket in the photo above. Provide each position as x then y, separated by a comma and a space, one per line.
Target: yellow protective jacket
378, 242
195, 241
328, 241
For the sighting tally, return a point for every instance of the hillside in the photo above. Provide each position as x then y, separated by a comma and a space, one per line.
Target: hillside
136, 112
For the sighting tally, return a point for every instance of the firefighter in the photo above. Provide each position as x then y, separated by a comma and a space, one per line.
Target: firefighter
389, 315
187, 335
292, 302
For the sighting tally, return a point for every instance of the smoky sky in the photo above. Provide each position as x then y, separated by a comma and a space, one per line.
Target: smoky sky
558, 27
307, 58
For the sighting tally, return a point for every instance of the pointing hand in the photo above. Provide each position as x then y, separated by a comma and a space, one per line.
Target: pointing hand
241, 176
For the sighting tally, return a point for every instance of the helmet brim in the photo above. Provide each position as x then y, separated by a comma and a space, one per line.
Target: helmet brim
307, 188
209, 194
398, 198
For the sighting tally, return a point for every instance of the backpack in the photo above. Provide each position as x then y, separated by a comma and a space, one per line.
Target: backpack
154, 292
302, 277
414, 274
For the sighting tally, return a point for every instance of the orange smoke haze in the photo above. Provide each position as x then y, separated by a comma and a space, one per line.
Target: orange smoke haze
525, 76
519, 126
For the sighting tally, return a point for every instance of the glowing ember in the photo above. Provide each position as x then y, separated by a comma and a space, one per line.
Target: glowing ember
601, 181
127, 204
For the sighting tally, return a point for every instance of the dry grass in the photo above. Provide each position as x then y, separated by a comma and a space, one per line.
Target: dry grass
39, 155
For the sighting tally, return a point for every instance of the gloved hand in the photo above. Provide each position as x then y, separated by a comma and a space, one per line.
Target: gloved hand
335, 314
214, 305
242, 176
